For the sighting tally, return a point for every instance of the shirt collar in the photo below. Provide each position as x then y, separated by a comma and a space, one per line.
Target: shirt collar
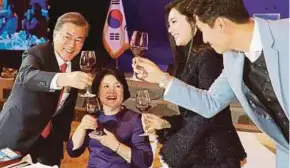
256, 47
60, 61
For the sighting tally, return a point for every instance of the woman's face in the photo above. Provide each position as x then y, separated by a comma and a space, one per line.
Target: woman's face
111, 92
179, 27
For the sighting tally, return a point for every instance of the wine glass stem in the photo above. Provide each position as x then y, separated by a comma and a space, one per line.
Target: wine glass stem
134, 75
89, 89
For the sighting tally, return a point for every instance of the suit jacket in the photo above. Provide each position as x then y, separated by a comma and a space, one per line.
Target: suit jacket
275, 42
32, 104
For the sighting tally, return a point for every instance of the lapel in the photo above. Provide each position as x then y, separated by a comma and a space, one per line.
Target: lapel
271, 58
74, 64
236, 64
50, 57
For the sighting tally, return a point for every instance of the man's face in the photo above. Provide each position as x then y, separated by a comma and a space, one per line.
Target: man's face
69, 40
215, 36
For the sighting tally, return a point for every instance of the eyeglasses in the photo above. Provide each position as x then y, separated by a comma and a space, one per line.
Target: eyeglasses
69, 38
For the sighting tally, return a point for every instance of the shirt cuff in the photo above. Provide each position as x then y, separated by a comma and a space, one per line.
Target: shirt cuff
53, 84
168, 86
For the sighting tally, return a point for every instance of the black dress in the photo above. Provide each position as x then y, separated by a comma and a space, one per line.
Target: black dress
194, 141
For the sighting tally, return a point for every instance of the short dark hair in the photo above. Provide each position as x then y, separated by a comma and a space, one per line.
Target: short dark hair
197, 42
117, 74
74, 18
209, 10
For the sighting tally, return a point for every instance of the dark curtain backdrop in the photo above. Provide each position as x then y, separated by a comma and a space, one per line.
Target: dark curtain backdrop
143, 15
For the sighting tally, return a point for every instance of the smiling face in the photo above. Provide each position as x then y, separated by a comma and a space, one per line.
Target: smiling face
68, 40
111, 92
179, 27
216, 35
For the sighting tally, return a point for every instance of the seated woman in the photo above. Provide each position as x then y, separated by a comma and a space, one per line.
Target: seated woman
121, 146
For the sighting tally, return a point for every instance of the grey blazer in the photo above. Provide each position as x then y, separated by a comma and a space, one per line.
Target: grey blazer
32, 104
275, 42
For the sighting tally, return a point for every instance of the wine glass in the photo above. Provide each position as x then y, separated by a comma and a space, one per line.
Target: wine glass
143, 104
88, 64
93, 106
138, 46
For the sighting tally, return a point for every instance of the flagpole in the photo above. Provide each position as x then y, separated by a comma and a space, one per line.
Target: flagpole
115, 35
117, 64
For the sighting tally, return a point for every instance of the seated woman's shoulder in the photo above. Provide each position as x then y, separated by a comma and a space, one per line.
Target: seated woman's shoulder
130, 114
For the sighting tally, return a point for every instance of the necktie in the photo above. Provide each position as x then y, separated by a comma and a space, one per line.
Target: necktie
46, 131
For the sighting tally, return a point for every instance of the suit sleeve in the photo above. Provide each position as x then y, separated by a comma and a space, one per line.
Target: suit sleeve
206, 103
77, 152
31, 76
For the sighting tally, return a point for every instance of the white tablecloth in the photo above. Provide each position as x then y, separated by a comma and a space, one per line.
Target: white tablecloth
258, 156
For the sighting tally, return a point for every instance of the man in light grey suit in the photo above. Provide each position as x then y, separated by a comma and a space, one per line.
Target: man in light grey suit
256, 69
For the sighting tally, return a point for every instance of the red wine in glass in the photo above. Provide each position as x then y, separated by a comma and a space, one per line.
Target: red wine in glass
138, 46
138, 51
87, 65
93, 107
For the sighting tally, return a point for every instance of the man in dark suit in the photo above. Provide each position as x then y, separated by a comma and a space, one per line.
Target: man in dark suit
37, 116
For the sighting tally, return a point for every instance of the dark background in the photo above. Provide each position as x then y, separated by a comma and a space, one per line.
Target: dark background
93, 10
143, 15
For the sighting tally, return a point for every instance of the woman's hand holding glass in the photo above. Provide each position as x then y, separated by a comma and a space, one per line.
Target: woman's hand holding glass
138, 46
143, 104
89, 123
93, 108
109, 140
153, 72
155, 122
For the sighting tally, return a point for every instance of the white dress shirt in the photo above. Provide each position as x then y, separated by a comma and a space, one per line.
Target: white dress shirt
256, 48
53, 84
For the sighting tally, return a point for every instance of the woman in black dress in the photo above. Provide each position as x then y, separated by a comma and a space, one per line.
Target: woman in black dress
190, 140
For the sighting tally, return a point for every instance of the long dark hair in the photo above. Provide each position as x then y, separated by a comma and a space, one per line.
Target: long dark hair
197, 44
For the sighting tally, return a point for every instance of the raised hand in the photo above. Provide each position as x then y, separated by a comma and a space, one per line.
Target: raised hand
89, 122
153, 121
109, 140
152, 72
77, 79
